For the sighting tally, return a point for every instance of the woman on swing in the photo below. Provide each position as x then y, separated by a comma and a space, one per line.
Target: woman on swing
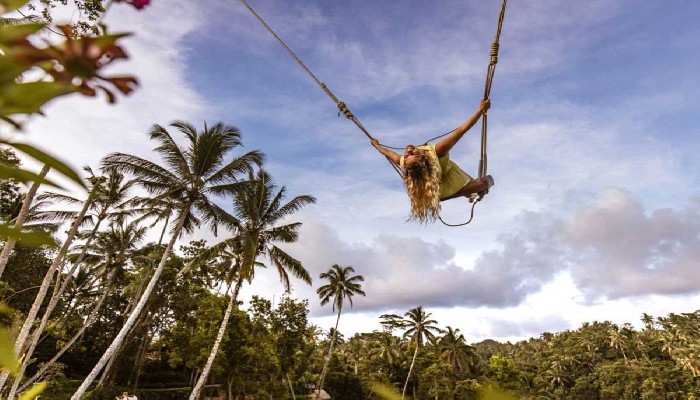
430, 176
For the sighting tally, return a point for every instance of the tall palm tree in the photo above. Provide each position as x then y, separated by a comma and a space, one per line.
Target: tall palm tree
341, 285
257, 224
22, 337
108, 198
419, 327
191, 175
108, 255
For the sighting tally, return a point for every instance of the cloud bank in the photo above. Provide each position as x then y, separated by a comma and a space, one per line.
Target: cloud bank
612, 248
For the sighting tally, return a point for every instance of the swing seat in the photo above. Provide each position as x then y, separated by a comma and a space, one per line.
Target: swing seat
469, 189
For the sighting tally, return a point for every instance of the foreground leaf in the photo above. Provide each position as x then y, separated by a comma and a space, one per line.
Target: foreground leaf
47, 160
35, 391
23, 176
33, 239
11, 5
385, 392
28, 98
7, 353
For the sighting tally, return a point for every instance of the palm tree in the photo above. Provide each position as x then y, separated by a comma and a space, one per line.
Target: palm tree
455, 351
418, 328
385, 350
21, 342
256, 224
21, 218
190, 175
108, 197
108, 255
341, 285
616, 340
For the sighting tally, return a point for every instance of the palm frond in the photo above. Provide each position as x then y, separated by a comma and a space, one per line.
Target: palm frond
170, 151
285, 261
235, 167
292, 207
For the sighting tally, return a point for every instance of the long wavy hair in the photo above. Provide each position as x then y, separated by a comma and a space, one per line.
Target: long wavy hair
422, 181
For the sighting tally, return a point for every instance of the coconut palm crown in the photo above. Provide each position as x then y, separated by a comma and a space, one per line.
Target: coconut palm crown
340, 286
257, 224
191, 175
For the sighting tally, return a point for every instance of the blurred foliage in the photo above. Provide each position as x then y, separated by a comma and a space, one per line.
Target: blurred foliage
8, 360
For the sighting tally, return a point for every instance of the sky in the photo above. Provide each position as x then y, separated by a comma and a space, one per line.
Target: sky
592, 144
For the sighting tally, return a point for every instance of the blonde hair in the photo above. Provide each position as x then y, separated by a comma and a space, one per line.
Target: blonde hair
422, 181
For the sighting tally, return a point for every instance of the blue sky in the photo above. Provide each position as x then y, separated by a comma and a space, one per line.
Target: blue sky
592, 143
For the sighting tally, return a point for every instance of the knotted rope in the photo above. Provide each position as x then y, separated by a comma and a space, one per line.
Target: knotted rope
342, 107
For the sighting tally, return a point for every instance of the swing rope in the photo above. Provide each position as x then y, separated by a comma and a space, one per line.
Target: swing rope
342, 107
483, 161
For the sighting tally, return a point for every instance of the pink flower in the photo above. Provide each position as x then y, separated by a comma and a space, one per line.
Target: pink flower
139, 4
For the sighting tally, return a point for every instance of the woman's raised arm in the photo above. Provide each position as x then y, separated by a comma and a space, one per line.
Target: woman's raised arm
445, 145
394, 157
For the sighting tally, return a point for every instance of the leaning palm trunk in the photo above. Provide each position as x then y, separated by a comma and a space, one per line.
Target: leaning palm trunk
132, 303
57, 293
44, 288
215, 349
21, 217
328, 358
415, 353
116, 343
88, 322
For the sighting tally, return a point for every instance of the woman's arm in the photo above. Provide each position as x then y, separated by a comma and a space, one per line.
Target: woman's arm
395, 158
445, 145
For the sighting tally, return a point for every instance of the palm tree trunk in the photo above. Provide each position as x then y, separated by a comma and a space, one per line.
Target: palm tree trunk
229, 383
58, 291
21, 217
108, 368
291, 388
328, 358
137, 310
44, 288
88, 322
215, 348
143, 319
415, 353
165, 228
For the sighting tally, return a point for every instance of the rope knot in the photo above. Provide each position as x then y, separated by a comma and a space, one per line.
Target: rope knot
344, 109
494, 52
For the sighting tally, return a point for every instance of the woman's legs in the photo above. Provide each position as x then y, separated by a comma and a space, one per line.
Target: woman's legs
478, 186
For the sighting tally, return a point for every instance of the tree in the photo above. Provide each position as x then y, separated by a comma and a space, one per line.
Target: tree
419, 327
455, 351
255, 222
108, 194
191, 175
21, 217
341, 285
111, 251
21, 342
